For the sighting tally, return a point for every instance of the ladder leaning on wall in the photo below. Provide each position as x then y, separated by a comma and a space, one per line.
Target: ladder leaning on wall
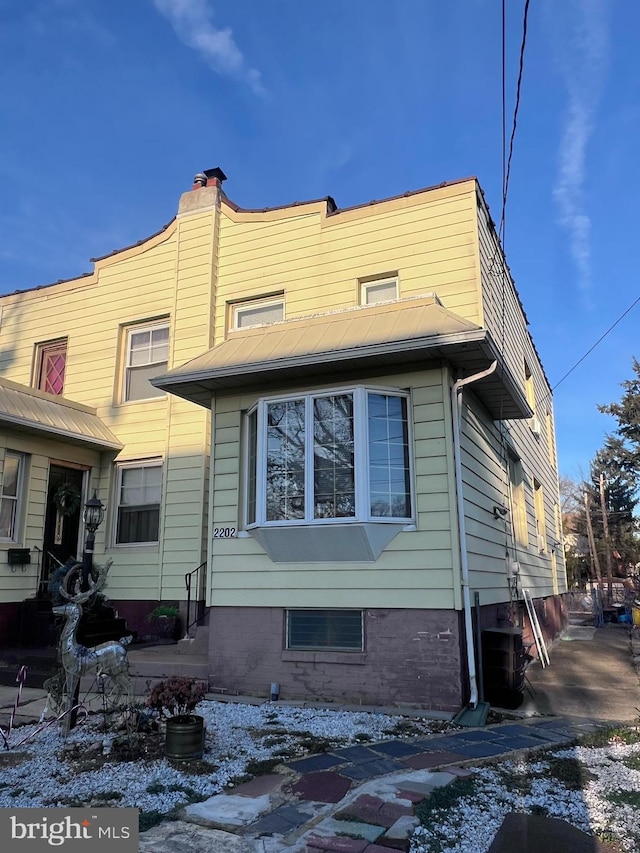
543, 655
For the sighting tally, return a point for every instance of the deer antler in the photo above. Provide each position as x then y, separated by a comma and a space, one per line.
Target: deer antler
94, 587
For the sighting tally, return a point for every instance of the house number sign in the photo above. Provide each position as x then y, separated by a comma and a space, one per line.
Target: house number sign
224, 532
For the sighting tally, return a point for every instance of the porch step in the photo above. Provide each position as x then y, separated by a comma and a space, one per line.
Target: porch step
196, 645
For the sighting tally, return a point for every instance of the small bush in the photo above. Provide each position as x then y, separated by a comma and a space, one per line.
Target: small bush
176, 696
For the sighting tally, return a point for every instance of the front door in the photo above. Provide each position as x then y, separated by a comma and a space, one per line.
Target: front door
62, 518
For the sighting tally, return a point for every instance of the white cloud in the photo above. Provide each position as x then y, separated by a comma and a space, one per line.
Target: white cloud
192, 21
582, 47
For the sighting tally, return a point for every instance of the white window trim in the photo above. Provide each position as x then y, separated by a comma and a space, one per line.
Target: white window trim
238, 307
362, 490
19, 498
124, 466
132, 330
366, 285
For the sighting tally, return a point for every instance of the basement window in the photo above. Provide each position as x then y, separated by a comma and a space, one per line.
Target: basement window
337, 630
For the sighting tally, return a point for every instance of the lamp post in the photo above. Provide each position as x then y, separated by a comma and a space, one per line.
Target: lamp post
92, 516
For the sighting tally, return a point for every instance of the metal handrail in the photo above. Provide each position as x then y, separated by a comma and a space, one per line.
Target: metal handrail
44, 568
200, 592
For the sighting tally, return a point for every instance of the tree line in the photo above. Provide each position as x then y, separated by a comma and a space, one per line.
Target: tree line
602, 540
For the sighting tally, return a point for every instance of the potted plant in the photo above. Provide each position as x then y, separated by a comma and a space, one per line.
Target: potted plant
175, 699
166, 622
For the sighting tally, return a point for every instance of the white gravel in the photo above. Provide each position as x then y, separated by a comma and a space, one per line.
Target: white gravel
475, 820
47, 779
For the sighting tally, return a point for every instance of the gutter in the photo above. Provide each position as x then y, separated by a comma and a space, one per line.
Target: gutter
456, 408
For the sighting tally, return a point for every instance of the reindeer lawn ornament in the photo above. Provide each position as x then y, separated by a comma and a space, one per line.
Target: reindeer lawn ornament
106, 660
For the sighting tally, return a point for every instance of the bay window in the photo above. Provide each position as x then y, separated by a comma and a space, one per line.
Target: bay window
331, 456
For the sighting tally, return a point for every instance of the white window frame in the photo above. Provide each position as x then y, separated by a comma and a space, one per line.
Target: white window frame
133, 330
361, 459
17, 499
120, 469
366, 286
267, 302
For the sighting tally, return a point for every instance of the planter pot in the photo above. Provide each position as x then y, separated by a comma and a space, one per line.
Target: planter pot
166, 628
185, 737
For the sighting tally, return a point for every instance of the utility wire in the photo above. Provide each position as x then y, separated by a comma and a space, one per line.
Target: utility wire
599, 341
505, 189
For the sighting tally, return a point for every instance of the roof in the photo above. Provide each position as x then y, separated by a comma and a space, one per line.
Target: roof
55, 416
403, 334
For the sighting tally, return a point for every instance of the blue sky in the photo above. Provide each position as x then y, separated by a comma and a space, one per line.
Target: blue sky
109, 109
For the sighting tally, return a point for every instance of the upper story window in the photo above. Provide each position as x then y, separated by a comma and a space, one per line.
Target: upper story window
257, 312
328, 457
11, 495
529, 389
372, 292
541, 524
518, 502
139, 490
147, 355
51, 364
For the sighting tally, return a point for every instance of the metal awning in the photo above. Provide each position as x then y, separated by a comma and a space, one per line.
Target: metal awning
38, 412
405, 334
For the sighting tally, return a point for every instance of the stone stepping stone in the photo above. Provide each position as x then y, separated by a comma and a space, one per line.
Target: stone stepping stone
424, 760
532, 833
322, 787
336, 845
315, 762
266, 784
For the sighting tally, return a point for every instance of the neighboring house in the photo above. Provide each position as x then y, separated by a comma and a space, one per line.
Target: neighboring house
304, 432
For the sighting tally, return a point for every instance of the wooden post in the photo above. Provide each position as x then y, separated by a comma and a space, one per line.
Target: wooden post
595, 560
607, 541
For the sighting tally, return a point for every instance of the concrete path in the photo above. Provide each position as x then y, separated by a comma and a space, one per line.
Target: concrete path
591, 675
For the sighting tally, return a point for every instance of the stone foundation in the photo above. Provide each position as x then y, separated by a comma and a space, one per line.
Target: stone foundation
411, 657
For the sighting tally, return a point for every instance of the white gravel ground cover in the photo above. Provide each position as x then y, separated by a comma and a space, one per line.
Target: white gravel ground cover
607, 806
236, 734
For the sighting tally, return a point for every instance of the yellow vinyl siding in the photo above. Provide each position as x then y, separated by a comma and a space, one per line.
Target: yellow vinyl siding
317, 259
416, 566
167, 277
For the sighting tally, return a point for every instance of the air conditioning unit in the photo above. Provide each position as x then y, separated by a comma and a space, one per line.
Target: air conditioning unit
534, 424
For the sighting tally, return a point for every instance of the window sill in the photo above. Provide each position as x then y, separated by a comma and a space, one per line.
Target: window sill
326, 543
300, 656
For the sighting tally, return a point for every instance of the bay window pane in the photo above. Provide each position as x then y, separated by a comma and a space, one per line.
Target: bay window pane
285, 461
333, 457
388, 457
252, 467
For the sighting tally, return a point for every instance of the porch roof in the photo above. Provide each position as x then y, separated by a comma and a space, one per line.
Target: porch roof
48, 414
405, 334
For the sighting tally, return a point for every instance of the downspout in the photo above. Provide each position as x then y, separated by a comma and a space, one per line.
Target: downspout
456, 408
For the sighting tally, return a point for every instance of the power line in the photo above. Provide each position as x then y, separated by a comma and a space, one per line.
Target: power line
523, 45
599, 341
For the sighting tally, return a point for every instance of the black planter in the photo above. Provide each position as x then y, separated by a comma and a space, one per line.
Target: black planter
166, 628
185, 737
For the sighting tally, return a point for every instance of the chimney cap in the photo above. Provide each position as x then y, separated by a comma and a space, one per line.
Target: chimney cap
215, 173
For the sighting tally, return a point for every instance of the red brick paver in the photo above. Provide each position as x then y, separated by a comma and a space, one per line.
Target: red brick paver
322, 787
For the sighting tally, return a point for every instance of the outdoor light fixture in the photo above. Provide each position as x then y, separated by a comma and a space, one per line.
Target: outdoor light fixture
93, 513
92, 516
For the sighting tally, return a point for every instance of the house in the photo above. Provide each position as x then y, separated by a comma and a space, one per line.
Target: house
339, 414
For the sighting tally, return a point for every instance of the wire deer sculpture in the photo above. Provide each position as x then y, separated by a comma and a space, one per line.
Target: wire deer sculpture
107, 660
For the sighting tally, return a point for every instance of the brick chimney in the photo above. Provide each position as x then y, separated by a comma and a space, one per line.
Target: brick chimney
209, 178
